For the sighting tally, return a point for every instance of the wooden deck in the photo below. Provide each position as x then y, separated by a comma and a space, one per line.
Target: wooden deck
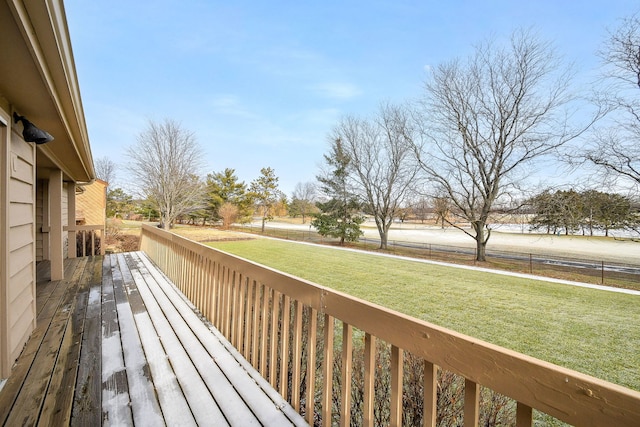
117, 344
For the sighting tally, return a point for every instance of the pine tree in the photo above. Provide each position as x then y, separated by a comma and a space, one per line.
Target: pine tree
339, 216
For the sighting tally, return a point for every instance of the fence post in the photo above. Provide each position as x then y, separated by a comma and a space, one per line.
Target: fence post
602, 271
530, 264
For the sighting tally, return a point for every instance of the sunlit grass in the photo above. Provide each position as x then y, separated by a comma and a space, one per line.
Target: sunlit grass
592, 331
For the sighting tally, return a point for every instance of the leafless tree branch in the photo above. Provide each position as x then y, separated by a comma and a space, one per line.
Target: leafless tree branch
164, 163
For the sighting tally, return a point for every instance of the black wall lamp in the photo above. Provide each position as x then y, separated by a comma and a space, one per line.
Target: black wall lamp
30, 132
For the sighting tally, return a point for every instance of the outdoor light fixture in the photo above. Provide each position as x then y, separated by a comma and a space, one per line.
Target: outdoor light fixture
30, 132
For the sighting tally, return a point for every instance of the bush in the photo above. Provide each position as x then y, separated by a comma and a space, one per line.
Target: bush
88, 239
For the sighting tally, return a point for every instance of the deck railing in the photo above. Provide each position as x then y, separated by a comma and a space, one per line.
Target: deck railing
280, 324
89, 239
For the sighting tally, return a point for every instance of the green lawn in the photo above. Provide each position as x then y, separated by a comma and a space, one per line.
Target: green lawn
592, 331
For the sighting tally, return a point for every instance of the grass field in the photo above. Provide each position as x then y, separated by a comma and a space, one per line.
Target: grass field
592, 331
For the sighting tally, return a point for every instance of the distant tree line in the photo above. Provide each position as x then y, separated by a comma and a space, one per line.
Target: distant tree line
569, 211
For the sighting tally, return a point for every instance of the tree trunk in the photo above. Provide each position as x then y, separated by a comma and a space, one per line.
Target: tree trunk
481, 241
481, 251
383, 230
384, 236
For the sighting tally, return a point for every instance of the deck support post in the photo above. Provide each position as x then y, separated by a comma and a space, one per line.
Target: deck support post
71, 223
56, 240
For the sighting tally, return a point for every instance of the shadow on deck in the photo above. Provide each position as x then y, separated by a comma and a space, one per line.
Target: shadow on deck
117, 344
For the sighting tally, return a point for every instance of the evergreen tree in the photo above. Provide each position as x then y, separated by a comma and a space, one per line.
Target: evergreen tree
339, 216
119, 203
224, 187
265, 193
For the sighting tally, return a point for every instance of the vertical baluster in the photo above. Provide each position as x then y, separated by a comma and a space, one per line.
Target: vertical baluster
224, 271
264, 331
199, 279
233, 295
347, 372
297, 355
213, 292
327, 370
233, 306
217, 295
248, 318
369, 378
188, 275
228, 292
429, 414
284, 346
273, 340
259, 289
240, 310
233, 317
207, 283
471, 403
311, 364
183, 270
396, 386
524, 415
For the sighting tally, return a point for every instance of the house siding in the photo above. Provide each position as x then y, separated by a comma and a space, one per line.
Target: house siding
20, 247
17, 243
91, 204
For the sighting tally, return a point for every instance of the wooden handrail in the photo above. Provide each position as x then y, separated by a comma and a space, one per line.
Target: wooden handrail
245, 301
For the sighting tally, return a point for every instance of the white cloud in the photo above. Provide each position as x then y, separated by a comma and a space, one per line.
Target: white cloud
230, 104
335, 90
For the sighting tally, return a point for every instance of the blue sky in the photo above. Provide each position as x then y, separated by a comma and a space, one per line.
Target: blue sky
262, 83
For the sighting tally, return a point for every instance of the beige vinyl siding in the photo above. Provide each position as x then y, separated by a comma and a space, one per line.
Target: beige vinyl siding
21, 245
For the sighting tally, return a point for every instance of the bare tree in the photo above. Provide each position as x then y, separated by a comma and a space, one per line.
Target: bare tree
421, 209
382, 167
485, 120
164, 163
106, 170
305, 191
441, 209
616, 147
302, 200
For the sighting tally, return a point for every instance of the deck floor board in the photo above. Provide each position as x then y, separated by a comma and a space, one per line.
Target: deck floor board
117, 344
23, 394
